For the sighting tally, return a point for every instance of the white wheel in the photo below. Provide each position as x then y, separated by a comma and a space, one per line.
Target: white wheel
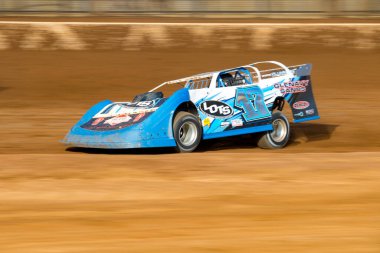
187, 131
279, 136
280, 130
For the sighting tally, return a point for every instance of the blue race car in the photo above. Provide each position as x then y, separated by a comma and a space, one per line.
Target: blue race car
237, 101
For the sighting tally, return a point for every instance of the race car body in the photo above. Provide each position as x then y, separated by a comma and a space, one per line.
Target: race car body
218, 104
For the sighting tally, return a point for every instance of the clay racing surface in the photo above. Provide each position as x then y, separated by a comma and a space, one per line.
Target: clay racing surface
319, 194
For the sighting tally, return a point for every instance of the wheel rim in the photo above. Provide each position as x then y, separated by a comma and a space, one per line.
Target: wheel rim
188, 133
279, 130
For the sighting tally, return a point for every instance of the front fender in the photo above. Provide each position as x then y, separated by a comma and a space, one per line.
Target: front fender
154, 131
161, 121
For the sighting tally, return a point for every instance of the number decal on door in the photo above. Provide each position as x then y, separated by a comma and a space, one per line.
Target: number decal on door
251, 101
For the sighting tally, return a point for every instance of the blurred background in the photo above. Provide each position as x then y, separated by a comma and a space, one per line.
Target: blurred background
240, 8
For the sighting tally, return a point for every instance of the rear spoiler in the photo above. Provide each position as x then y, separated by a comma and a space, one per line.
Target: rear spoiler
299, 94
294, 83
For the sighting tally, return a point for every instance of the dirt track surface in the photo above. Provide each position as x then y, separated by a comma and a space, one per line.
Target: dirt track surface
161, 204
320, 194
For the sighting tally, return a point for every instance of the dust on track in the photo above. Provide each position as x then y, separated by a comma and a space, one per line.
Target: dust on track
320, 194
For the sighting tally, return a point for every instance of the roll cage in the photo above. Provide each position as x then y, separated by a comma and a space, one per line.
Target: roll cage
243, 75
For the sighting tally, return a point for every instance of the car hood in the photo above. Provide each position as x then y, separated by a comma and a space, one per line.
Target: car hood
120, 115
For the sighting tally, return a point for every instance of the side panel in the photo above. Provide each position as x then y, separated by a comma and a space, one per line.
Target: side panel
232, 111
242, 109
299, 94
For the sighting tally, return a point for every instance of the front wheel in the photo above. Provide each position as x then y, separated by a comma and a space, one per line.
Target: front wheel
187, 132
279, 136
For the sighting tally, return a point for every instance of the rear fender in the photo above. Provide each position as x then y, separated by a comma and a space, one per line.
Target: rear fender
299, 94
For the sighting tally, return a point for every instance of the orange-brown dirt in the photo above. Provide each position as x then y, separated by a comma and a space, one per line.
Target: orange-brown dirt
319, 194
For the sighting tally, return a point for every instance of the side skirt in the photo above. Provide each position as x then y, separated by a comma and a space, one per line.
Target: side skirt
241, 131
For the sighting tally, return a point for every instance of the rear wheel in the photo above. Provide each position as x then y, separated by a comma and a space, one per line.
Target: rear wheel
187, 132
279, 136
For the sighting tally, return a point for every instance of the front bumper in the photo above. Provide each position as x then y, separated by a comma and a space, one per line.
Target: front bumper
132, 137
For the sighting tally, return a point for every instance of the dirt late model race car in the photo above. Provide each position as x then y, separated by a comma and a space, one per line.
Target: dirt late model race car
243, 100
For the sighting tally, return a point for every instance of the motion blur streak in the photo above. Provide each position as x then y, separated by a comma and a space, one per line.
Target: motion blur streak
226, 8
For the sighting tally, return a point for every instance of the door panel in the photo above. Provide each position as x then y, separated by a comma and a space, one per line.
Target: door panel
246, 103
250, 100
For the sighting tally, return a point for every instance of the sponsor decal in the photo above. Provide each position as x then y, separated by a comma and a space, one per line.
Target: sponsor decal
300, 105
206, 122
237, 122
97, 121
138, 117
278, 73
310, 112
117, 120
300, 114
138, 111
216, 109
292, 87
122, 114
225, 124
121, 108
282, 73
139, 104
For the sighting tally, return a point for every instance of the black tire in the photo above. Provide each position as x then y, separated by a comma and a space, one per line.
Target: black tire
279, 137
187, 132
148, 96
